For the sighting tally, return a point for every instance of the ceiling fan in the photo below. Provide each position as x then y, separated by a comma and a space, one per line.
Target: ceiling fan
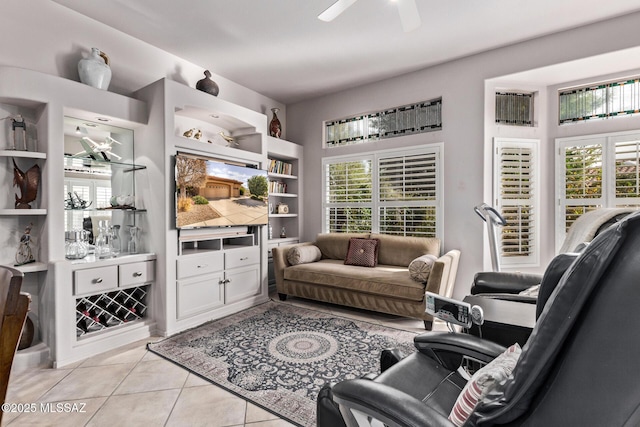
409, 16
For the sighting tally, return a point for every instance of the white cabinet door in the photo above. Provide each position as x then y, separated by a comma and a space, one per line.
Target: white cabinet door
199, 294
241, 283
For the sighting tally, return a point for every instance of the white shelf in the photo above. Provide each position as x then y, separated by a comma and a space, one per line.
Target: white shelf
283, 195
21, 153
290, 215
281, 176
33, 267
24, 212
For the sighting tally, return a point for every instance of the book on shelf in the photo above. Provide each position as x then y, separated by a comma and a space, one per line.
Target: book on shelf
280, 167
277, 187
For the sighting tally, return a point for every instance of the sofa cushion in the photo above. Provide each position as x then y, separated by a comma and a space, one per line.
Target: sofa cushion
362, 252
303, 254
401, 250
420, 267
336, 245
386, 280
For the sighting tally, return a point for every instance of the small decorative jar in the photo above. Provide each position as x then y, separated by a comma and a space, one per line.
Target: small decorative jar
94, 70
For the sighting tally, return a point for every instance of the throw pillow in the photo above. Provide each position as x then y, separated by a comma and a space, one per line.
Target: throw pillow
362, 252
420, 267
497, 370
533, 291
303, 254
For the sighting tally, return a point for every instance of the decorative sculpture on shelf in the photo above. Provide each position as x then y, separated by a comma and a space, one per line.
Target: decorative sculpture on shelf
275, 128
28, 183
98, 151
207, 85
75, 202
18, 134
231, 141
24, 255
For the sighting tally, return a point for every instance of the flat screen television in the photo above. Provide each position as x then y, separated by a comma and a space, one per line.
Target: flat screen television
216, 193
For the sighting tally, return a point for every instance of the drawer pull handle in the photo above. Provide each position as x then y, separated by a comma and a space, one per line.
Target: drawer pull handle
227, 281
137, 274
220, 282
98, 280
201, 266
244, 259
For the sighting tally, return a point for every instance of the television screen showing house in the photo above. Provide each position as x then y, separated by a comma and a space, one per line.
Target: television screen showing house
215, 194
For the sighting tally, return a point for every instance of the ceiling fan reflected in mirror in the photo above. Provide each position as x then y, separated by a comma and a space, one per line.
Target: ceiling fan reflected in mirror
407, 9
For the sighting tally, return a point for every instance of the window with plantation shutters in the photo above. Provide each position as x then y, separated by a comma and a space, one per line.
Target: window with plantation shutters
348, 196
517, 199
389, 192
581, 169
408, 194
594, 172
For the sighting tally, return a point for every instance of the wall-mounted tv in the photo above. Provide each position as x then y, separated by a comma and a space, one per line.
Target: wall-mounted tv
216, 193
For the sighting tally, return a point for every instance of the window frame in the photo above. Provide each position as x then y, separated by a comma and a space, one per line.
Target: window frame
609, 196
376, 204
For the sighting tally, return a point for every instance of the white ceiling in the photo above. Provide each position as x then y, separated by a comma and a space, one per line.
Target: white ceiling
280, 49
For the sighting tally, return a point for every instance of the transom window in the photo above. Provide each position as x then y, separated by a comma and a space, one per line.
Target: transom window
599, 101
425, 116
390, 192
514, 108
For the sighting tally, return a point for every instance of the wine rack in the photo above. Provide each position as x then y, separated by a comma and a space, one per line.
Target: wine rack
99, 312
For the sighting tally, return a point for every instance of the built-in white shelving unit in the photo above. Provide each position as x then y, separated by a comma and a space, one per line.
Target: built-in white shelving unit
207, 273
285, 163
46, 102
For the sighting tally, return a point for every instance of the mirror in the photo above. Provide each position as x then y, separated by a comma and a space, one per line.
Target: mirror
99, 183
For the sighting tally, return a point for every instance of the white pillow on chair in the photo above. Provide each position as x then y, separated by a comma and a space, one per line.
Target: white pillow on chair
497, 370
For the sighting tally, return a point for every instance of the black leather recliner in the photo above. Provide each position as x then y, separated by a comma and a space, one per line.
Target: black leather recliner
508, 285
576, 369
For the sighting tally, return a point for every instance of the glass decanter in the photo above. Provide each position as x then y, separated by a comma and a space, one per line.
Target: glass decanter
114, 240
132, 245
102, 241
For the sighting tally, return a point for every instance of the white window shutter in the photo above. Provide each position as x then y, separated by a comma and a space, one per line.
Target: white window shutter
390, 192
516, 189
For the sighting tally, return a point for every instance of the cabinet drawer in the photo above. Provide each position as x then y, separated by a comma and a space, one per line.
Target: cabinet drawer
95, 279
195, 265
136, 273
241, 257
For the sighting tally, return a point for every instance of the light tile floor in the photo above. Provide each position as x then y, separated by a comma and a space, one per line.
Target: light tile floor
132, 386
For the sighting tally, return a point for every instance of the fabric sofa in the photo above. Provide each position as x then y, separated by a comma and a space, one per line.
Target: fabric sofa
386, 287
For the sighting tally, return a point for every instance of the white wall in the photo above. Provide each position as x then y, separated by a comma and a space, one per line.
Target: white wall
461, 84
44, 36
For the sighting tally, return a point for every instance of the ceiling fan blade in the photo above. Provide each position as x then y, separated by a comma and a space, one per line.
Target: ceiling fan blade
335, 9
409, 16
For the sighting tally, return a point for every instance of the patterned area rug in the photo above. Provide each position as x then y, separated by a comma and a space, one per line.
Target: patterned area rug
278, 355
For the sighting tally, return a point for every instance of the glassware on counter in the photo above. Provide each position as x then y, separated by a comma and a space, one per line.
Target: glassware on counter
75, 246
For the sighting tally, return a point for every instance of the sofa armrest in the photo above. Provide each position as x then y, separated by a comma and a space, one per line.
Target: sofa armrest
442, 277
280, 262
